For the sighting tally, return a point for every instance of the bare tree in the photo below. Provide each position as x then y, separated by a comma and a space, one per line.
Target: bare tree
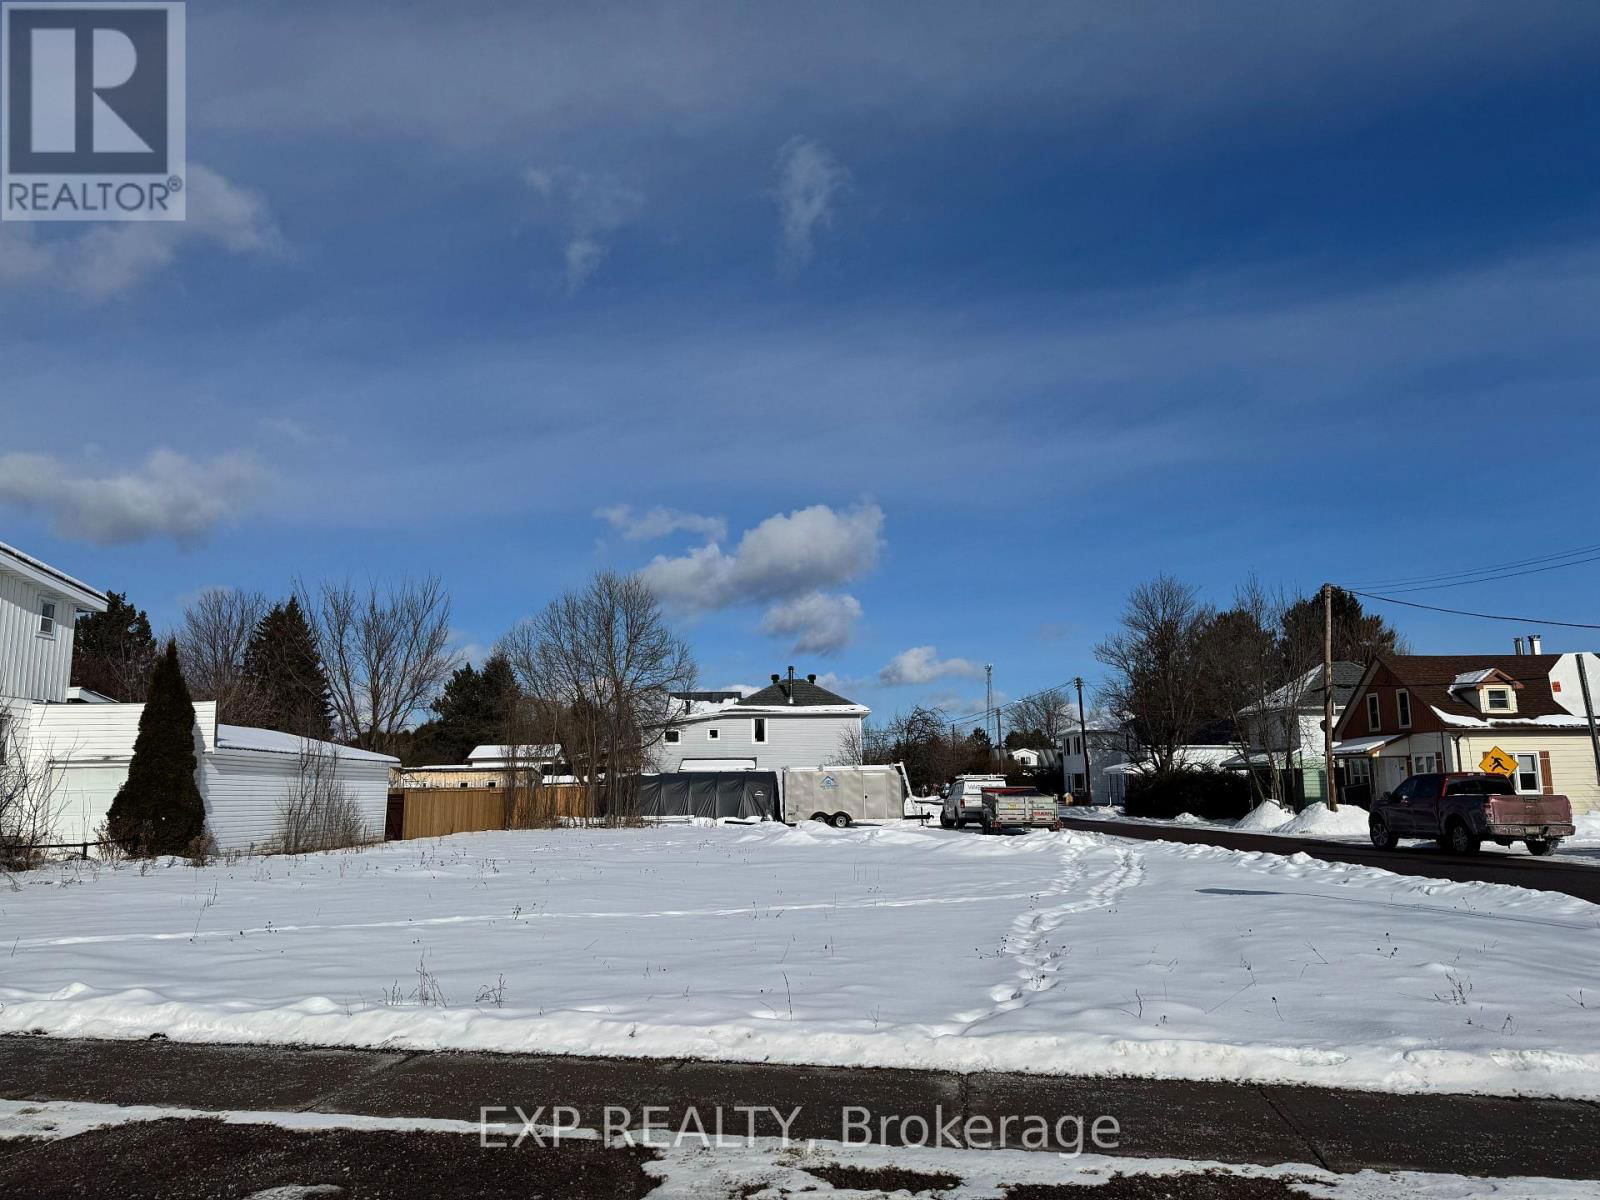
603, 663
1157, 670
1050, 712
318, 810
385, 650
30, 800
212, 640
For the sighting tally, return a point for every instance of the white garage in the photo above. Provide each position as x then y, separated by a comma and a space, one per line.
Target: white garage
245, 775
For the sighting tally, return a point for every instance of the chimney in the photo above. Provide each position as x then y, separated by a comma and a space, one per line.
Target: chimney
1517, 641
791, 683
1535, 643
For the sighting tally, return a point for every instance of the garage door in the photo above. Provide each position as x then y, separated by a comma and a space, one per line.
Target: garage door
717, 764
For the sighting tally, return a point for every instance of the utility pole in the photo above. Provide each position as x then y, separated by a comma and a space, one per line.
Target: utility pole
988, 700
1332, 784
1083, 741
1588, 708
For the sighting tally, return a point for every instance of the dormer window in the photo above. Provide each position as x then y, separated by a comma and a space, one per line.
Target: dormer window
1497, 699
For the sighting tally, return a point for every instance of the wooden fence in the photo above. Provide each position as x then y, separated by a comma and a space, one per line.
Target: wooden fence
438, 812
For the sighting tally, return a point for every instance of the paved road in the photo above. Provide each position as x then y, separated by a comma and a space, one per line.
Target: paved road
1236, 1123
1522, 870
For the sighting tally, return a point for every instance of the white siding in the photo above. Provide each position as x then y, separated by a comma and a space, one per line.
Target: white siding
33, 667
793, 740
244, 790
87, 748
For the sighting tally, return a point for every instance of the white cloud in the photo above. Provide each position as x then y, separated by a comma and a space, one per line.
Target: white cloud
809, 181
114, 257
170, 495
819, 622
784, 557
922, 664
590, 208
659, 522
786, 562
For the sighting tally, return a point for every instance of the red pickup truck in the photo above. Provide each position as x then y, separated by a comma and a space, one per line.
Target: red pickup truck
1462, 811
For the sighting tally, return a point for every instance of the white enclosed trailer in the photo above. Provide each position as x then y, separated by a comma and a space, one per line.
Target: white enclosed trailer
842, 795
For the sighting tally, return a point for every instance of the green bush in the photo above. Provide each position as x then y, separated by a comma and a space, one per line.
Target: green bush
1211, 795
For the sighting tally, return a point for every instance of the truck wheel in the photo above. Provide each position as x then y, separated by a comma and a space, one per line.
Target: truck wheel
948, 822
1543, 846
841, 820
1458, 839
1382, 836
823, 817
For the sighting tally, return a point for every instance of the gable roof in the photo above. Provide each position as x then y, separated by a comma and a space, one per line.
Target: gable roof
1307, 689
806, 695
40, 572
1432, 679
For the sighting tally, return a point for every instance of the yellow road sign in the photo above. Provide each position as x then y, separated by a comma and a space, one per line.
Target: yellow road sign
1498, 762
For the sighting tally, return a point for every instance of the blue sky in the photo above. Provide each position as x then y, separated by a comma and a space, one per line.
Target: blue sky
863, 329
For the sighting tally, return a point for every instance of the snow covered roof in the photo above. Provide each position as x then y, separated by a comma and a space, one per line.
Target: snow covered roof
30, 567
1351, 747
1541, 721
1482, 675
272, 741
481, 754
1306, 691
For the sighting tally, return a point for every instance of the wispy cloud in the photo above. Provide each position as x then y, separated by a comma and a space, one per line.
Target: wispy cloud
590, 209
170, 495
922, 664
106, 260
660, 522
810, 179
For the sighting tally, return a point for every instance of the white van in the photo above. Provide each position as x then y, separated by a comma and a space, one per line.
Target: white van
964, 801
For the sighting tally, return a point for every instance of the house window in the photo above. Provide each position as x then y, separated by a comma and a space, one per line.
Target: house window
1402, 703
758, 729
1497, 698
1424, 764
713, 735
1077, 781
47, 618
1357, 771
1528, 781
1374, 714
674, 736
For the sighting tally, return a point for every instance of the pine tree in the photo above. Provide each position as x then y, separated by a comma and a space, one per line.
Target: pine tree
114, 651
159, 809
288, 679
473, 710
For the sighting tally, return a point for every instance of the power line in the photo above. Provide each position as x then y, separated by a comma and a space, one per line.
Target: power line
1390, 584
1461, 612
1431, 587
1008, 704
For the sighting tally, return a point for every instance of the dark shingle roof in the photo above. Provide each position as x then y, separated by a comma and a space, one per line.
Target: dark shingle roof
806, 695
1429, 676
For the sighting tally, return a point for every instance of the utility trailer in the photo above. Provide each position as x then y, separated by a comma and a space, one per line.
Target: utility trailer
843, 795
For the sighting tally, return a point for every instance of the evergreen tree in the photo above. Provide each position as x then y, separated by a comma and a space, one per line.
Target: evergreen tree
113, 651
473, 710
287, 677
159, 809
1358, 636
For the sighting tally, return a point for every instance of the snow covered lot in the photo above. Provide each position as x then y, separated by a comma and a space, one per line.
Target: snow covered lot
1065, 952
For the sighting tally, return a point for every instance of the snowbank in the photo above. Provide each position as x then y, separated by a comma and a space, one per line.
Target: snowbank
1263, 818
911, 947
1318, 820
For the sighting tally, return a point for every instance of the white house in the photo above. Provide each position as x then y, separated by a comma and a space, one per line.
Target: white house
791, 723
1284, 733
38, 613
83, 745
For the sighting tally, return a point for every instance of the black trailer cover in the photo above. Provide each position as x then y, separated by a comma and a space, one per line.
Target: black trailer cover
751, 794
